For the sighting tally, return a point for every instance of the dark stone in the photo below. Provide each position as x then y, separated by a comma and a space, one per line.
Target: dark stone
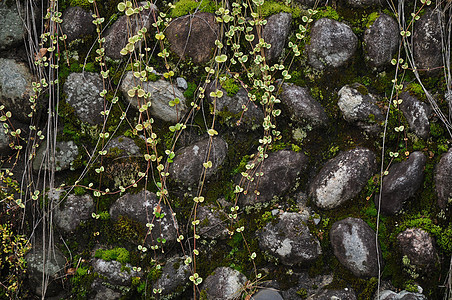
364, 3
73, 210
174, 276
223, 284
65, 155
122, 146
418, 246
353, 243
275, 33
345, 294
12, 31
212, 222
403, 295
115, 271
77, 23
402, 182
427, 48
416, 113
443, 179
267, 294
193, 36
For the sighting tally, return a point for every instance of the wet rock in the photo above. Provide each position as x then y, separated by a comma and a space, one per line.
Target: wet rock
416, 113
188, 162
359, 107
403, 295
427, 49
16, 88
193, 36
279, 173
12, 31
301, 106
174, 276
114, 271
345, 294
342, 177
364, 3
77, 23
418, 246
162, 92
443, 179
224, 284
212, 223
82, 90
332, 44
122, 145
140, 207
402, 182
72, 211
290, 240
117, 36
267, 294
275, 33
353, 243
65, 154
381, 41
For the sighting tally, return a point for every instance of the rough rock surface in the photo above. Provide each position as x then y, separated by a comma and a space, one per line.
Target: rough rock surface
342, 177
162, 92
82, 90
212, 222
275, 33
224, 284
332, 44
16, 88
403, 295
77, 23
72, 211
114, 271
193, 36
364, 3
140, 207
122, 145
345, 294
290, 240
353, 243
402, 182
267, 294
5, 139
418, 246
65, 154
427, 49
188, 162
416, 113
358, 106
12, 31
280, 170
381, 41
105, 293
443, 179
301, 106
311, 284
174, 276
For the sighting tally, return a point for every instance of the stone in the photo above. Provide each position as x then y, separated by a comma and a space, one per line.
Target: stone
122, 145
72, 210
307, 284
105, 293
12, 31
65, 155
416, 114
381, 41
212, 222
267, 294
403, 295
280, 170
364, 3
360, 107
224, 284
418, 246
181, 83
275, 33
427, 46
326, 294
174, 276
140, 207
443, 179
16, 88
193, 36
162, 92
187, 167
289, 240
301, 106
114, 271
354, 245
82, 90
342, 177
5, 139
402, 182
77, 23
332, 44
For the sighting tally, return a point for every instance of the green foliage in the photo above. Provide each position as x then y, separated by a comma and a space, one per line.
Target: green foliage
230, 86
118, 254
79, 191
82, 3
272, 7
190, 91
436, 129
327, 12
371, 18
184, 7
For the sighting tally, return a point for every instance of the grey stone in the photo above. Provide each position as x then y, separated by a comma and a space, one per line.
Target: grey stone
310, 284
181, 83
301, 106
345, 294
140, 207
65, 154
193, 36
162, 92
364, 3
353, 243
16, 88
224, 284
5, 139
280, 170
290, 240
402, 182
267, 294
105, 293
73, 210
427, 48
114, 271
418, 246
360, 108
174, 276
416, 113
342, 177
12, 31
212, 223
122, 145
332, 44
275, 33
443, 179
403, 295
77, 23
308, 3
82, 90
381, 41
188, 162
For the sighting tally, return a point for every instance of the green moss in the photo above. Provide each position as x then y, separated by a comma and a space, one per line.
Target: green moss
272, 7
79, 191
230, 86
185, 7
190, 91
327, 12
153, 77
436, 129
119, 254
82, 3
371, 18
